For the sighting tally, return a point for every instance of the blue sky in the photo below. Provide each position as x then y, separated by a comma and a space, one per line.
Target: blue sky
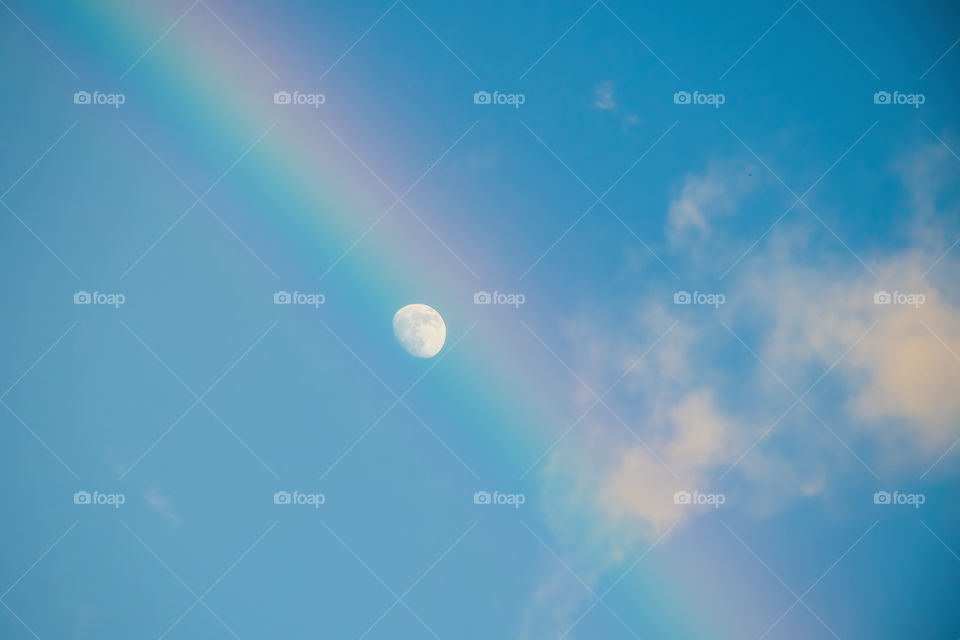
788, 401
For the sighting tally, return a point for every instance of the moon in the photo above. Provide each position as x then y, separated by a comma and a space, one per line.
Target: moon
420, 330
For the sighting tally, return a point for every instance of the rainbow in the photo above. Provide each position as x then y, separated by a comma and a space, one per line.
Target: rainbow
206, 92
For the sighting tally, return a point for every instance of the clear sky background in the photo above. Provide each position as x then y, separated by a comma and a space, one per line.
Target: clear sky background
819, 169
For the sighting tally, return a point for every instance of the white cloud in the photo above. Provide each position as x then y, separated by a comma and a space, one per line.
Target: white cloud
704, 197
902, 377
604, 100
899, 400
555, 603
603, 96
162, 505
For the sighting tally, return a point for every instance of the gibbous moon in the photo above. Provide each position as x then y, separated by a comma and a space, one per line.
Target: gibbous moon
420, 330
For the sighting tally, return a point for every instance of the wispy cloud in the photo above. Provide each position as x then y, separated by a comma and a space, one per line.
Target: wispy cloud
603, 96
700, 414
162, 505
705, 197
